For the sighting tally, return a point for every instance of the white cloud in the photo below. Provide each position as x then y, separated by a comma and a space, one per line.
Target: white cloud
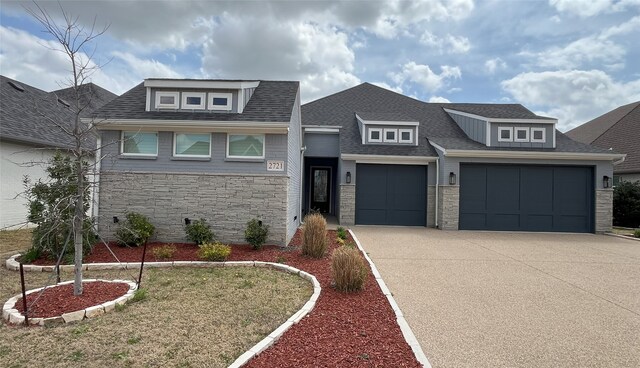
572, 96
494, 65
384, 85
425, 77
142, 68
591, 8
438, 99
447, 44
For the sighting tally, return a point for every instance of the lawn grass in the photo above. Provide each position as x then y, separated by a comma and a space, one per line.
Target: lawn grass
190, 317
623, 231
14, 241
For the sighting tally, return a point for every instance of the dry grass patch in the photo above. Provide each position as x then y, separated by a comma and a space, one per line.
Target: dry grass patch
14, 241
191, 317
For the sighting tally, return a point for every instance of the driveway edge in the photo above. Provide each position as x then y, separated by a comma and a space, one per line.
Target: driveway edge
407, 333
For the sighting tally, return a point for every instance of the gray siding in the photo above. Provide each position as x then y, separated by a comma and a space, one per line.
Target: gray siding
476, 129
549, 131
322, 145
275, 149
234, 94
294, 170
397, 127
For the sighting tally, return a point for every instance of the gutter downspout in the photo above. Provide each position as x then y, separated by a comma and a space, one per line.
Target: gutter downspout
437, 185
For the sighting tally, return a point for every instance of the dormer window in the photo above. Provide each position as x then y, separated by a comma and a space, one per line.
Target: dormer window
193, 100
167, 100
505, 134
220, 101
538, 135
390, 135
521, 135
406, 136
375, 135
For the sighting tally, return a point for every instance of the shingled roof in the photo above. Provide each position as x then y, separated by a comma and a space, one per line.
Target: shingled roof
29, 115
436, 125
272, 101
618, 129
92, 97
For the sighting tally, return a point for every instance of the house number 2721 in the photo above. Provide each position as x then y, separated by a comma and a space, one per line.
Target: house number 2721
275, 165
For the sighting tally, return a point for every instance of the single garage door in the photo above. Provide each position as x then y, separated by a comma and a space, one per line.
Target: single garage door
526, 198
391, 195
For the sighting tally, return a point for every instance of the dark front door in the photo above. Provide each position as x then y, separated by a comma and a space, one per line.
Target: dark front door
391, 195
321, 189
526, 198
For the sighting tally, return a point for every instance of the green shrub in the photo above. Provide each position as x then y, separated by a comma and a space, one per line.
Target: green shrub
164, 252
314, 236
626, 204
348, 269
199, 232
30, 255
636, 233
342, 233
256, 233
138, 296
216, 252
135, 231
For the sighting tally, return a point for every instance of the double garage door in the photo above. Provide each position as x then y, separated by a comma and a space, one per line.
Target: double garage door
526, 198
391, 195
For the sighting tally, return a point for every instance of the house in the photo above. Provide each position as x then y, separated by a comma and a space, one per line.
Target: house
224, 150
375, 157
29, 137
232, 150
619, 130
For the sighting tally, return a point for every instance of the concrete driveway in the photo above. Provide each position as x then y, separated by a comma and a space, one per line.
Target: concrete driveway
489, 299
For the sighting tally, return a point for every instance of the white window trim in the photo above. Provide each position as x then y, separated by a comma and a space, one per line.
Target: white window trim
264, 147
371, 140
176, 100
175, 142
515, 135
122, 139
203, 99
500, 130
226, 95
410, 131
544, 135
395, 135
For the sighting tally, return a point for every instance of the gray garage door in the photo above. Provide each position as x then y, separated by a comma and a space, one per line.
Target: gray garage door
391, 195
526, 198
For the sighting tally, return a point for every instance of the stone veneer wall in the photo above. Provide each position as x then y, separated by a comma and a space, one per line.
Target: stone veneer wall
347, 204
431, 206
227, 202
604, 210
449, 198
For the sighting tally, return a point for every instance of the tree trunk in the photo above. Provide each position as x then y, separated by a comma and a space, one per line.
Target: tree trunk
78, 221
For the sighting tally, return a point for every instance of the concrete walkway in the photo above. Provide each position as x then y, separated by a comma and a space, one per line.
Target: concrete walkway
489, 299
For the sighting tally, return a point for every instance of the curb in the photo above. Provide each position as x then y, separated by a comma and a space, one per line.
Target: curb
13, 316
407, 333
622, 236
265, 343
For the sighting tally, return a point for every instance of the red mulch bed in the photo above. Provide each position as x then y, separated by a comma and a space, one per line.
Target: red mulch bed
343, 330
57, 300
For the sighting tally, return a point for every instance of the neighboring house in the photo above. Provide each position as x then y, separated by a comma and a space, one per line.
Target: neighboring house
224, 150
29, 137
375, 157
618, 130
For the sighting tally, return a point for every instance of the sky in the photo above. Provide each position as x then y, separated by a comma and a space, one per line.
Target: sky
568, 59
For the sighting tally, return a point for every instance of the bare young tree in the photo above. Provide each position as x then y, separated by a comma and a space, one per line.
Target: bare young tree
76, 42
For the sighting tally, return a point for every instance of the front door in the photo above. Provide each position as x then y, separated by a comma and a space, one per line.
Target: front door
321, 189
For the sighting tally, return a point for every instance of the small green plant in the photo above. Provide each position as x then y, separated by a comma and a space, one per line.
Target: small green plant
341, 233
135, 231
340, 241
636, 233
120, 307
31, 255
215, 252
256, 233
76, 356
199, 232
133, 340
314, 236
138, 296
349, 269
164, 252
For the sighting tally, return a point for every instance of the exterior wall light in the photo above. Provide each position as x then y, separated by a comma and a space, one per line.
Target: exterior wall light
348, 177
187, 221
116, 219
452, 178
605, 181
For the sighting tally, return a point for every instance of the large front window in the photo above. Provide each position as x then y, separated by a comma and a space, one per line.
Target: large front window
140, 143
245, 146
192, 144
